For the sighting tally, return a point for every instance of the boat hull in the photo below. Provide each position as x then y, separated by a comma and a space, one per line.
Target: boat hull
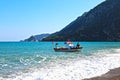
67, 49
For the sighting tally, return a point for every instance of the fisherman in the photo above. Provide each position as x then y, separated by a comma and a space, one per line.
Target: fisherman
56, 45
78, 45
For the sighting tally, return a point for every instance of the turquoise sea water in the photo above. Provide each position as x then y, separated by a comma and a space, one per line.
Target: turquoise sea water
38, 60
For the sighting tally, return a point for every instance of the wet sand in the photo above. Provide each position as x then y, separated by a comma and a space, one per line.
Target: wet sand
113, 74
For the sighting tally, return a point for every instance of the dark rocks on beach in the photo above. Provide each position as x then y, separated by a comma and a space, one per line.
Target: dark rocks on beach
101, 23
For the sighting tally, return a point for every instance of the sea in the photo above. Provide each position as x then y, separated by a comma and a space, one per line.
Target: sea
38, 60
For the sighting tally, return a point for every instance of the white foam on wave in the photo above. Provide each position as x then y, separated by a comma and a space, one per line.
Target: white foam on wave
30, 60
77, 69
117, 50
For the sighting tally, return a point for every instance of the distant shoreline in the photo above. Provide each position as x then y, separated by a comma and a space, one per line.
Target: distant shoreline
113, 74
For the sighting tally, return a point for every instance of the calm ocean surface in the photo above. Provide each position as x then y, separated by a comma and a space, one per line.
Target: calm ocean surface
38, 61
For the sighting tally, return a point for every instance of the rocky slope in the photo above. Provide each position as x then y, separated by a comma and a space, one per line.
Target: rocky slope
36, 38
101, 23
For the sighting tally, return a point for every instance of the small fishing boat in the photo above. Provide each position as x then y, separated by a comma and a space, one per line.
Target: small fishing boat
69, 47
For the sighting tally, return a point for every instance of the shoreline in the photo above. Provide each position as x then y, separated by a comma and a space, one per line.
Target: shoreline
113, 74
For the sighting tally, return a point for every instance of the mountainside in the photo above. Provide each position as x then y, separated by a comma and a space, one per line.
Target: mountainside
99, 24
36, 38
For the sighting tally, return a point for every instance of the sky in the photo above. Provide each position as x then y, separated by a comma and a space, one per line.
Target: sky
19, 19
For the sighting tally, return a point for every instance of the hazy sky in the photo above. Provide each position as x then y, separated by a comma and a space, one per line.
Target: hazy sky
20, 19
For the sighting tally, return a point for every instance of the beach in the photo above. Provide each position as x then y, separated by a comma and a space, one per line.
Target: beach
113, 74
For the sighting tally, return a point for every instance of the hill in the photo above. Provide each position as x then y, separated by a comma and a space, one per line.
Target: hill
101, 23
36, 38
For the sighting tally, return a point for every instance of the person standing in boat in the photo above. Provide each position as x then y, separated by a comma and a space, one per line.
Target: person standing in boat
78, 45
56, 45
